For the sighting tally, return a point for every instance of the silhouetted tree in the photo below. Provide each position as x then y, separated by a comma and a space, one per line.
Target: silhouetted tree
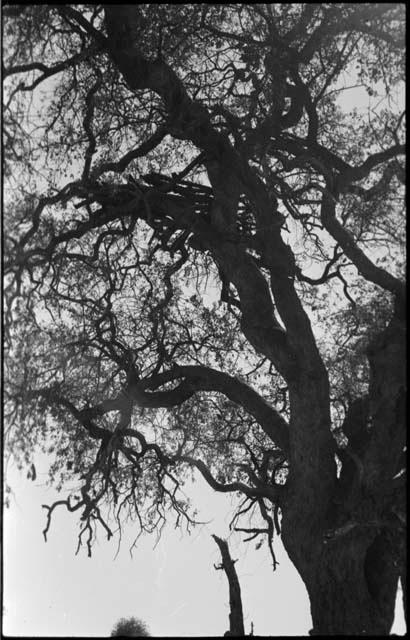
205, 271
236, 626
130, 628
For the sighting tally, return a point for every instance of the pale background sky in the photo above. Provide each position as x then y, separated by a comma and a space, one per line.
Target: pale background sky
174, 588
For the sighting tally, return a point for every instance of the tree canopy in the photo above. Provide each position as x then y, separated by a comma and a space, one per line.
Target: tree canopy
204, 270
130, 628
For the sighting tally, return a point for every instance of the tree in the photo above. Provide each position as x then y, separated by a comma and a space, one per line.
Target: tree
204, 271
236, 625
130, 628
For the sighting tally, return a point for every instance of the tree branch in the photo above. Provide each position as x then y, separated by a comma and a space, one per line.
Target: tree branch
269, 492
142, 150
364, 265
47, 71
354, 174
200, 378
83, 22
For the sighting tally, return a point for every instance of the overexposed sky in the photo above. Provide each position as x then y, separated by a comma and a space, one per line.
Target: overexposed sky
174, 588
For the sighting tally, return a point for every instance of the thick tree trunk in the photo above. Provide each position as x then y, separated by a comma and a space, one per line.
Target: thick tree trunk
351, 557
351, 575
355, 588
351, 579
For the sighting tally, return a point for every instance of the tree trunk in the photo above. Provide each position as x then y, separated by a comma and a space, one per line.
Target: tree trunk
351, 556
351, 581
236, 626
354, 592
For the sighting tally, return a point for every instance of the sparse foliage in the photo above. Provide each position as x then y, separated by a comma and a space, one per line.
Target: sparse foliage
204, 241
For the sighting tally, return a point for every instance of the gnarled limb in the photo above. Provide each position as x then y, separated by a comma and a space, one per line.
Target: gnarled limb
199, 378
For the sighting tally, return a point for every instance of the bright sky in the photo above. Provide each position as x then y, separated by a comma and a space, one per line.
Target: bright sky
173, 587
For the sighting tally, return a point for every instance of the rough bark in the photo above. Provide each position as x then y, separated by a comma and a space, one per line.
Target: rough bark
236, 626
351, 568
352, 591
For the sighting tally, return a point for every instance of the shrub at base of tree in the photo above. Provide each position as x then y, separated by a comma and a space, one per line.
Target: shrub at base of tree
130, 628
